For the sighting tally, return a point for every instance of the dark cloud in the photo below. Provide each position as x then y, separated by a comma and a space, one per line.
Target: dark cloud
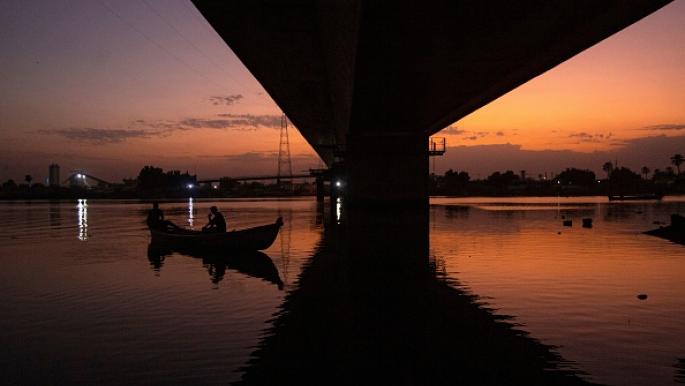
665, 127
468, 135
594, 138
161, 125
270, 121
199, 123
99, 136
225, 100
242, 122
499, 134
452, 130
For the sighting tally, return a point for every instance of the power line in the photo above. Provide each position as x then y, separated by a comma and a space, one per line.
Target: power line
197, 49
158, 45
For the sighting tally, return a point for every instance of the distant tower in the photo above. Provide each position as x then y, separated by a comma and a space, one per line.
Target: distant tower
53, 175
285, 167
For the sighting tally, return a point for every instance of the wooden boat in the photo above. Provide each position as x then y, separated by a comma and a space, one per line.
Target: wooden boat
250, 239
628, 197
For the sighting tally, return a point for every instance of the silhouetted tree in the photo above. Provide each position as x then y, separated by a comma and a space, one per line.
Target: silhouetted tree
9, 186
227, 184
28, 179
608, 167
624, 179
453, 182
645, 171
153, 180
500, 181
677, 160
573, 176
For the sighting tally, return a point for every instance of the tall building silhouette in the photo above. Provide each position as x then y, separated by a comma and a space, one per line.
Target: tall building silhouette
53, 175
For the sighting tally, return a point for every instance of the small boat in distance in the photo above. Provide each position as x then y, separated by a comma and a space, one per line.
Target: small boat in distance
627, 197
250, 239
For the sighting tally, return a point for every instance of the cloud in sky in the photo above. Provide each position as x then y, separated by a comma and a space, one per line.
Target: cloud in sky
225, 100
149, 129
666, 127
267, 120
592, 138
452, 130
99, 136
468, 135
233, 121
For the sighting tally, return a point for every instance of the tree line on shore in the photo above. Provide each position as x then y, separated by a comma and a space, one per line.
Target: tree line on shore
151, 182
154, 182
572, 181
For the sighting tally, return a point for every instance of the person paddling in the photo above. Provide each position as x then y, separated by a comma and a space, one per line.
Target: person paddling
217, 223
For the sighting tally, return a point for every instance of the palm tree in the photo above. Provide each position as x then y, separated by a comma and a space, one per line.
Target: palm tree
645, 171
608, 167
676, 160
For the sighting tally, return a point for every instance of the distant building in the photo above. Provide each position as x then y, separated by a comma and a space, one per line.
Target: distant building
53, 175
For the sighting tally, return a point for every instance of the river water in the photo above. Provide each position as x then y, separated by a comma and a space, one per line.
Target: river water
83, 302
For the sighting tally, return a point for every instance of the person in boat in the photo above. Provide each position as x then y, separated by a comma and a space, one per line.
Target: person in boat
217, 223
155, 219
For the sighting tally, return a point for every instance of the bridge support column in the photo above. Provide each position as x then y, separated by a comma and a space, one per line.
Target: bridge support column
320, 189
387, 170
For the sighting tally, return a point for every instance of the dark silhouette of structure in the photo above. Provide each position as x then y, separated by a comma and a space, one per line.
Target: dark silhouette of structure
367, 82
80, 178
285, 166
53, 175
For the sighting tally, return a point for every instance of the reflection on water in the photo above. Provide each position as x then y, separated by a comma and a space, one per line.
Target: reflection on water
285, 237
369, 295
82, 218
254, 264
191, 213
680, 371
55, 213
338, 209
575, 287
106, 312
369, 310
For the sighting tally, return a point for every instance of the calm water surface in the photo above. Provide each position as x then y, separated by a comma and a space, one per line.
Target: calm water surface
81, 301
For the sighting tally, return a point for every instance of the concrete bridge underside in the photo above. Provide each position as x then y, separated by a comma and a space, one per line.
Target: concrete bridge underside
369, 81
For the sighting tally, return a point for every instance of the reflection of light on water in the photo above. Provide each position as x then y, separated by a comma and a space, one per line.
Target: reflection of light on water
82, 215
338, 209
190, 212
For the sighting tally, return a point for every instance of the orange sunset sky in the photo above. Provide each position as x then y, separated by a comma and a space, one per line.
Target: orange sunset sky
110, 86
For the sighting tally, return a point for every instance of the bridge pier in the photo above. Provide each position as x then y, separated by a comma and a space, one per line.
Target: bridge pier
320, 189
388, 169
